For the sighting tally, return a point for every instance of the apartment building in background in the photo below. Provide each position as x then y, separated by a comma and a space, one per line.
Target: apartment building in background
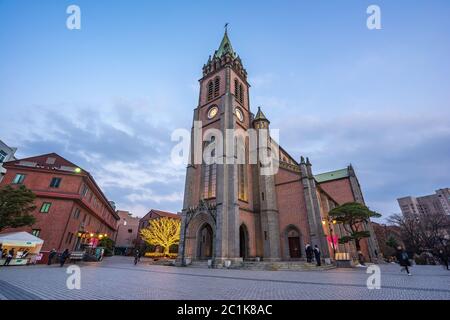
437, 203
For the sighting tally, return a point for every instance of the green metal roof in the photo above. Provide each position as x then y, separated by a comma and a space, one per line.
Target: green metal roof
260, 115
225, 47
332, 175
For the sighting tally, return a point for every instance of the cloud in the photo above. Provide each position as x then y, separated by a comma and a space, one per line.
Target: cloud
122, 144
395, 154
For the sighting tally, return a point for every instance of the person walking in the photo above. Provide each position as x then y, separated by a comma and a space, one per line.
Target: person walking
317, 255
361, 259
9, 257
444, 258
137, 256
403, 260
64, 257
309, 253
51, 256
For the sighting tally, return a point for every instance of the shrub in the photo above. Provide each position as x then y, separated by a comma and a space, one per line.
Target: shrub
160, 255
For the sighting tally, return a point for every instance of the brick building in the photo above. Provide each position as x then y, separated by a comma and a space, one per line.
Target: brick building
232, 211
127, 232
71, 209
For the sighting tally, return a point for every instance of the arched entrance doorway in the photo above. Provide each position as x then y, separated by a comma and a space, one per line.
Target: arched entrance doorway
295, 251
243, 241
205, 245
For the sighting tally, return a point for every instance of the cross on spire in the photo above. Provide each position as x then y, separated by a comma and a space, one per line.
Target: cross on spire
226, 27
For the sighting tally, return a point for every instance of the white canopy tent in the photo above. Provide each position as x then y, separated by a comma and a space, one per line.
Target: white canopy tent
21, 240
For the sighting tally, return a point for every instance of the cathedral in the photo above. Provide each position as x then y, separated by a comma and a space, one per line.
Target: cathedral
232, 212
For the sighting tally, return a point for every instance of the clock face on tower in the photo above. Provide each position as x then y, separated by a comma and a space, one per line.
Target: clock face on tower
239, 114
212, 112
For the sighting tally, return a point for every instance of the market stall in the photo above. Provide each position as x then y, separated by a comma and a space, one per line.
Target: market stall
25, 246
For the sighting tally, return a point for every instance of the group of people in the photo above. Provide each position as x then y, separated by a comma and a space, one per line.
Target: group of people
62, 258
8, 255
313, 252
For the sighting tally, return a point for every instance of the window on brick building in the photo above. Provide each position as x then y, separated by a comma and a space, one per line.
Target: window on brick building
45, 208
55, 182
130, 230
76, 213
84, 190
36, 232
69, 237
19, 178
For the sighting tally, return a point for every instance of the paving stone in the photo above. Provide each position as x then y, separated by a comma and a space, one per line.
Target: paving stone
117, 278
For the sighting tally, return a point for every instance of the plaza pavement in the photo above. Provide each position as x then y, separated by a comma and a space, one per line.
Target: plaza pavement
118, 278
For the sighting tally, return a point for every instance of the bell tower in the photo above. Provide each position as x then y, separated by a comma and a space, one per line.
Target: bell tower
212, 190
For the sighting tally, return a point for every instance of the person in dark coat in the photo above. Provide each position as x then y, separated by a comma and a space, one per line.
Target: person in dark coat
51, 256
403, 259
317, 255
444, 258
9, 257
64, 257
309, 253
361, 258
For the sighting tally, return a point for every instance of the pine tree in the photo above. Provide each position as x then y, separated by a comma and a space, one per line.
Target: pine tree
16, 204
353, 216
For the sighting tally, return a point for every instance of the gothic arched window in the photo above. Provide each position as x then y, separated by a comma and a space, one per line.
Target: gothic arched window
216, 87
209, 176
236, 88
210, 90
242, 170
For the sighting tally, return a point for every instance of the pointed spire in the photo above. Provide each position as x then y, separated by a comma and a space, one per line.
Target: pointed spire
225, 46
260, 116
302, 160
307, 161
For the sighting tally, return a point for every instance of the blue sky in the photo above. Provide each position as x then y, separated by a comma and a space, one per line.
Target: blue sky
108, 96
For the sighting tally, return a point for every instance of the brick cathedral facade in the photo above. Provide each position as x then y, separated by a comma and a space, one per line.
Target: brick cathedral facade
232, 212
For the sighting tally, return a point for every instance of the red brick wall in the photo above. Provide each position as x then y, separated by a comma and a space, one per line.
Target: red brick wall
339, 190
291, 205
